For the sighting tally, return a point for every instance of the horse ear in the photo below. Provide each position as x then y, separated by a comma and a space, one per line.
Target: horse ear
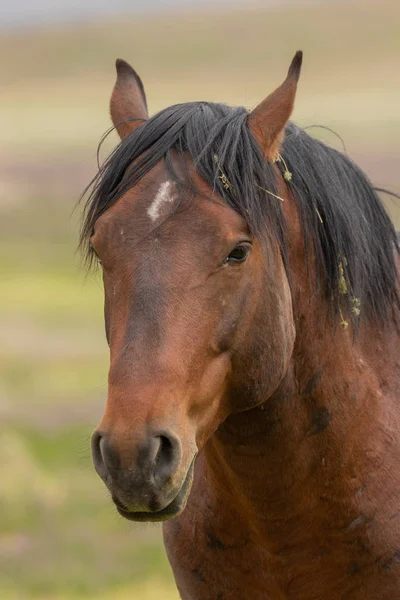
128, 106
267, 121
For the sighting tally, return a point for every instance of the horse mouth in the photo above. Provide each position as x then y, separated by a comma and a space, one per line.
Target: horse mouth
173, 509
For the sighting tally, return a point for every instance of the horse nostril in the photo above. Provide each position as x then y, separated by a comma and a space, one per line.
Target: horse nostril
97, 456
167, 457
164, 453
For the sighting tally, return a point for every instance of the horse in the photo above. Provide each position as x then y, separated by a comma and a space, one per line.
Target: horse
251, 279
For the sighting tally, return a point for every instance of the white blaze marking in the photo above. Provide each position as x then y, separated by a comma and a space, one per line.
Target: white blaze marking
163, 195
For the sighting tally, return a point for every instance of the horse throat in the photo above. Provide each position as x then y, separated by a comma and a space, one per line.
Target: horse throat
315, 469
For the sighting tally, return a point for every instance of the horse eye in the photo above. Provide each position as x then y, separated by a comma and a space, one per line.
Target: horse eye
239, 254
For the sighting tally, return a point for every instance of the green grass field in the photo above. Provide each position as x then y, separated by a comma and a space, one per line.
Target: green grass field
60, 537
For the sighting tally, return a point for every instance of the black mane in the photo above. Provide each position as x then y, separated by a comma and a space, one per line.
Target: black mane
344, 223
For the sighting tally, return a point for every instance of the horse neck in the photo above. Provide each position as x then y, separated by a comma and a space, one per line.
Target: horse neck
326, 431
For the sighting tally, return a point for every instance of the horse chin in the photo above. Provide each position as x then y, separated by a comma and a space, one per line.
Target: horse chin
173, 509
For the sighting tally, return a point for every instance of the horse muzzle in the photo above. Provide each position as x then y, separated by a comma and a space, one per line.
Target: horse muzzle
148, 480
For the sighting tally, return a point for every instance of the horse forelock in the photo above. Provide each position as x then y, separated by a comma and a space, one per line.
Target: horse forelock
343, 222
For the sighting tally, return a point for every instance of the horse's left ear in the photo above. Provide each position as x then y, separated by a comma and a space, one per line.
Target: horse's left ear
267, 121
128, 105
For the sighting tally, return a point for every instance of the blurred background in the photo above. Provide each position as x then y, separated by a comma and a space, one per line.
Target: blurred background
60, 537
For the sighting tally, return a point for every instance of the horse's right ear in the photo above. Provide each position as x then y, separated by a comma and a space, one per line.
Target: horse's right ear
128, 106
